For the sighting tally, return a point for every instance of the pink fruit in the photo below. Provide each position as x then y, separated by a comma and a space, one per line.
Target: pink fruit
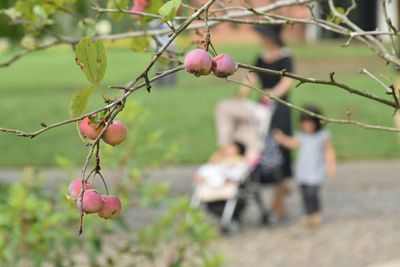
92, 201
198, 62
75, 187
111, 207
115, 133
224, 66
142, 3
89, 129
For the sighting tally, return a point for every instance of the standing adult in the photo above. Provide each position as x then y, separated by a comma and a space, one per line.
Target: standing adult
277, 57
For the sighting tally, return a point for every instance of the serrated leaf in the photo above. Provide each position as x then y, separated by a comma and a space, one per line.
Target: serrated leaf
91, 57
79, 101
168, 10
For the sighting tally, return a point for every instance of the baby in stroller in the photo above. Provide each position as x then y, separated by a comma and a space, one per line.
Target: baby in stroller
224, 166
218, 180
222, 183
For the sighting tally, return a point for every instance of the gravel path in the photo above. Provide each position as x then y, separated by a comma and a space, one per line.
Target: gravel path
361, 225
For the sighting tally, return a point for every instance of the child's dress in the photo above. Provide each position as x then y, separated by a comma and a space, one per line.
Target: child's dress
311, 161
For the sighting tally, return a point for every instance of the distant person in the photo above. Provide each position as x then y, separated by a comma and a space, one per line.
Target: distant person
275, 57
315, 159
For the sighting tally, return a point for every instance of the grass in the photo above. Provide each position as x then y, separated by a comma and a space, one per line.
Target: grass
39, 87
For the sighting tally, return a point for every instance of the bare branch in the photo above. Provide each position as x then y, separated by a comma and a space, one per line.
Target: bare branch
331, 82
365, 71
370, 40
321, 117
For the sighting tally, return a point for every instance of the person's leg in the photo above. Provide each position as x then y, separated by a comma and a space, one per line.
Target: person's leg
312, 206
278, 200
308, 205
308, 199
316, 206
280, 191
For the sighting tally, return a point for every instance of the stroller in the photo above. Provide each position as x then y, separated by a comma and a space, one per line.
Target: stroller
229, 200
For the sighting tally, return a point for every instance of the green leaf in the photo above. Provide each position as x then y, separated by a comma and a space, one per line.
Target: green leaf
91, 57
168, 10
79, 101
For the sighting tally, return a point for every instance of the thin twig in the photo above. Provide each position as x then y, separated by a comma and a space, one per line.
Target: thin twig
365, 71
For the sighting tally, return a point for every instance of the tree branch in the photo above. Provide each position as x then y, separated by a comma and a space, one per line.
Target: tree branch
330, 82
321, 117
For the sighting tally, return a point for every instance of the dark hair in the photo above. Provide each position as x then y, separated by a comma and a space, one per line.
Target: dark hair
307, 117
272, 32
241, 147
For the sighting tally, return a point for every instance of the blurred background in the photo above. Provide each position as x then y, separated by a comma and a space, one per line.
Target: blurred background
171, 132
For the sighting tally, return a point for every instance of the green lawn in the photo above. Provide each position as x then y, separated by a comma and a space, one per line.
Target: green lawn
38, 89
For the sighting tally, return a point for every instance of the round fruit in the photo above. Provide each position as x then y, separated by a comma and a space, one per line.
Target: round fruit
115, 134
111, 207
75, 187
198, 62
224, 66
89, 129
92, 201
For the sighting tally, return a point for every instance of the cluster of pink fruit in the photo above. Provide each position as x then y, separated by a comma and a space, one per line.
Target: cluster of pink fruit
140, 5
87, 198
106, 206
199, 62
115, 134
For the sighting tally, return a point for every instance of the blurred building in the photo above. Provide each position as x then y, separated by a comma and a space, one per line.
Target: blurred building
368, 15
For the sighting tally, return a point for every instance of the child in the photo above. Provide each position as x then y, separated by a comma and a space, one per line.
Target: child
315, 159
226, 165
219, 177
